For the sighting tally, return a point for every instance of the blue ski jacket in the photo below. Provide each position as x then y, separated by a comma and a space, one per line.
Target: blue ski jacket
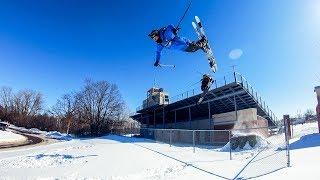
170, 41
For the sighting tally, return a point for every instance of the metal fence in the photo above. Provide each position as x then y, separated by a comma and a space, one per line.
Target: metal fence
265, 149
259, 151
184, 137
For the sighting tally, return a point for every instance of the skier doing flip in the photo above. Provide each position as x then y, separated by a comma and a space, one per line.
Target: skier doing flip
167, 37
206, 82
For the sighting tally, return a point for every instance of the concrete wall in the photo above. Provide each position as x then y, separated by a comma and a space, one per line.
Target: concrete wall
259, 127
243, 115
247, 119
194, 124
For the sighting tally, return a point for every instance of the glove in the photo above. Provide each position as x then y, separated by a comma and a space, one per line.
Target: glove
156, 64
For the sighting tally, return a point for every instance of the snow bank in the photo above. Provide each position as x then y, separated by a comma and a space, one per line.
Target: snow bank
261, 143
50, 134
36, 131
304, 129
58, 135
25, 130
7, 137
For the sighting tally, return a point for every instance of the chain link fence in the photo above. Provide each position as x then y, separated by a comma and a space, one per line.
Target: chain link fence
264, 149
258, 151
183, 137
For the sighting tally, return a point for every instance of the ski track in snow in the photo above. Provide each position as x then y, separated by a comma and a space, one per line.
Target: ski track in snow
41, 161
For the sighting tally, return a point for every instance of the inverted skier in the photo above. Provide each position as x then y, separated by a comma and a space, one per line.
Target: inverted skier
167, 37
206, 82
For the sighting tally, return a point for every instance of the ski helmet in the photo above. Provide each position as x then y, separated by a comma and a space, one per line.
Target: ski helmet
154, 33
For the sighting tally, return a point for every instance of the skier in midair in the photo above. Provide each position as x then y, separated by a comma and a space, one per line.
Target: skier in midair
206, 82
167, 37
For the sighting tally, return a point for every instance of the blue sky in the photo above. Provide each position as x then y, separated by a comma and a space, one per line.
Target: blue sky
52, 46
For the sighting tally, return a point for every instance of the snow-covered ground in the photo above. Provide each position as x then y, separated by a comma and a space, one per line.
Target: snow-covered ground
7, 137
117, 157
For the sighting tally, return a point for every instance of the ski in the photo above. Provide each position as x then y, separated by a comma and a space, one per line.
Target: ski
201, 34
203, 95
167, 65
194, 25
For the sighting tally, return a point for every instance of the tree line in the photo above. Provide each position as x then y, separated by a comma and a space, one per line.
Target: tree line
97, 108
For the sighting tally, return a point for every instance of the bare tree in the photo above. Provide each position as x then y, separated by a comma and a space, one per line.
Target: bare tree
64, 109
28, 103
99, 102
308, 114
6, 100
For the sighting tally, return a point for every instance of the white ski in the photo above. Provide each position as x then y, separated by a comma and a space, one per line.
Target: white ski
201, 34
167, 65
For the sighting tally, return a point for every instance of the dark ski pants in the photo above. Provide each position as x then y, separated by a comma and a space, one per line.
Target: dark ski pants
193, 47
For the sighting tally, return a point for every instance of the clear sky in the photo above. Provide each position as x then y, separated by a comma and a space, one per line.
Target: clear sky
51, 46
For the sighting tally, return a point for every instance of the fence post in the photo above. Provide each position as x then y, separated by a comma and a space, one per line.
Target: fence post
194, 148
230, 145
286, 133
170, 137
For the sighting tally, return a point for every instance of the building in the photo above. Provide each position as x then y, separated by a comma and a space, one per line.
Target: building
155, 96
231, 103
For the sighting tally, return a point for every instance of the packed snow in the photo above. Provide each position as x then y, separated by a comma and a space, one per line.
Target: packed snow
261, 144
7, 137
121, 157
58, 135
48, 134
304, 129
